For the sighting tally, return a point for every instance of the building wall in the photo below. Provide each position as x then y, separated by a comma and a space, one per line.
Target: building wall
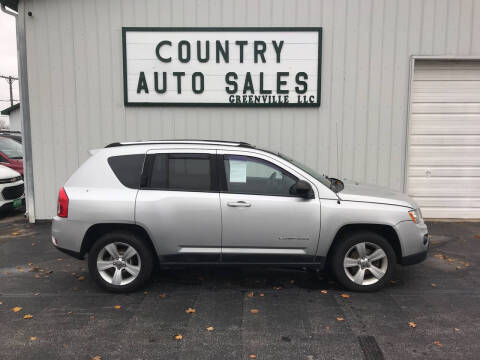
15, 120
75, 80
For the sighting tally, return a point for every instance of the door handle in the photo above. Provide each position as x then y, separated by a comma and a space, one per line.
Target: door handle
239, 204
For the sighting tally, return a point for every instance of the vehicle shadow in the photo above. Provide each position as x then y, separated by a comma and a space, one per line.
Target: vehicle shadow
242, 278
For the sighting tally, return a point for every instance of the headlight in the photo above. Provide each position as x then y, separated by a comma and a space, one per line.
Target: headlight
416, 215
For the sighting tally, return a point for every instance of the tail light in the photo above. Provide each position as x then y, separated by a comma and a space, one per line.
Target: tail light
62, 206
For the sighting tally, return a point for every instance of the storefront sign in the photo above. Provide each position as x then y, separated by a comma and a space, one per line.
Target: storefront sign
222, 66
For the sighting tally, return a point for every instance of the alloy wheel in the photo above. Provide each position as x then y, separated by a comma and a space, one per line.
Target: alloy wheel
365, 263
118, 263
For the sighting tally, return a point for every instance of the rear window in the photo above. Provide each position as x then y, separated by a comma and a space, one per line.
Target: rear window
127, 168
187, 172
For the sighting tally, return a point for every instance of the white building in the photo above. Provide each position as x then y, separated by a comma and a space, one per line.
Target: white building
399, 103
14, 119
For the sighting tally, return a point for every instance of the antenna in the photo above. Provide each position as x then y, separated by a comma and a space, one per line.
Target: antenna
338, 151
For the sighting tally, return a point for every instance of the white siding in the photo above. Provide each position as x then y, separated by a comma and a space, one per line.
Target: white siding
444, 154
15, 120
76, 90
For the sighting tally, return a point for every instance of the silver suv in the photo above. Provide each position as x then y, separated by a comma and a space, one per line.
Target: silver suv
133, 205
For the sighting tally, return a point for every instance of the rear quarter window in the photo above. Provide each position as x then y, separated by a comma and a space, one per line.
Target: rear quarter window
127, 169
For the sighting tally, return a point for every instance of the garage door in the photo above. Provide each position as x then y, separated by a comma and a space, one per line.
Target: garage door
444, 138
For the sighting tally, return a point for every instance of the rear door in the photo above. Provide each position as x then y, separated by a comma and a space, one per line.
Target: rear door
178, 204
261, 221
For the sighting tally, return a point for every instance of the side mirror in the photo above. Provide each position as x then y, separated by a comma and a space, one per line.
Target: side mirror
302, 189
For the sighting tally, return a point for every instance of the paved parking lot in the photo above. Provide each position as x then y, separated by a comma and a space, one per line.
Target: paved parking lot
431, 310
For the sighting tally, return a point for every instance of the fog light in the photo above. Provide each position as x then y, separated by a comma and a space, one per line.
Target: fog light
54, 241
425, 239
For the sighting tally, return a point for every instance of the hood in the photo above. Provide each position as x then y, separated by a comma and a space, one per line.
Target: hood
7, 173
354, 191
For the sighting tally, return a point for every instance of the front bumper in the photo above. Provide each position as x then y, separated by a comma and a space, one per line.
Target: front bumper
414, 259
414, 241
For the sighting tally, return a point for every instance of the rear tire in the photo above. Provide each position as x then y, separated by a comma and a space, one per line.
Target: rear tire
120, 261
363, 261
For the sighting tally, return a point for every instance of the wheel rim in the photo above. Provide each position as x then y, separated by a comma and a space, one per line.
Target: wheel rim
365, 263
118, 263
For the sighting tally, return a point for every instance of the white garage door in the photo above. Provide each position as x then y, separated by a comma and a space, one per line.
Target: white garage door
444, 138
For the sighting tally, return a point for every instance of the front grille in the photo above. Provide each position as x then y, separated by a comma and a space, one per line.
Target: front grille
13, 192
11, 180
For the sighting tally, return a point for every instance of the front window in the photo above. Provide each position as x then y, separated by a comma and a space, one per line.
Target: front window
249, 175
322, 178
11, 148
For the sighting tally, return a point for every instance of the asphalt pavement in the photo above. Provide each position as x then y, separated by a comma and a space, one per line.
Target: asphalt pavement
430, 310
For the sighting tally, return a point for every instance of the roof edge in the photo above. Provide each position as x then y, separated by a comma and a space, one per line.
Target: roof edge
8, 110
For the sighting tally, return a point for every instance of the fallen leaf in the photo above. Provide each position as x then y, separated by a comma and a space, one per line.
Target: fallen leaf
292, 281
458, 268
467, 264
70, 313
162, 296
15, 233
477, 236
346, 296
277, 287
434, 285
250, 294
324, 291
412, 324
394, 281
28, 316
145, 292
33, 338
190, 311
262, 294
92, 317
252, 356
450, 260
457, 329
30, 264
437, 343
19, 269
210, 328
37, 276
439, 256
80, 278
36, 294
17, 309
327, 327
75, 289
254, 311
340, 319
97, 357
74, 273
117, 306
178, 337
59, 259
1, 303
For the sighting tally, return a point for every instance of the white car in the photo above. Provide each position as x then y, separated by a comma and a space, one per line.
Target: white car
11, 189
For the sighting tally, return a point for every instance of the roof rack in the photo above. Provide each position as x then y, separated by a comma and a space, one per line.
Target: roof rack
183, 141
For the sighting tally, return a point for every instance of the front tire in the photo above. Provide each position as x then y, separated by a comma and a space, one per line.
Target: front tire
363, 261
120, 261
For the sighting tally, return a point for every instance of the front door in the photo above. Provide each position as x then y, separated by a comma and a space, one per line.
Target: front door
179, 205
262, 222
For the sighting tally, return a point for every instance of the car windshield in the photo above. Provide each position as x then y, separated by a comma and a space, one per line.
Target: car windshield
322, 178
11, 148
